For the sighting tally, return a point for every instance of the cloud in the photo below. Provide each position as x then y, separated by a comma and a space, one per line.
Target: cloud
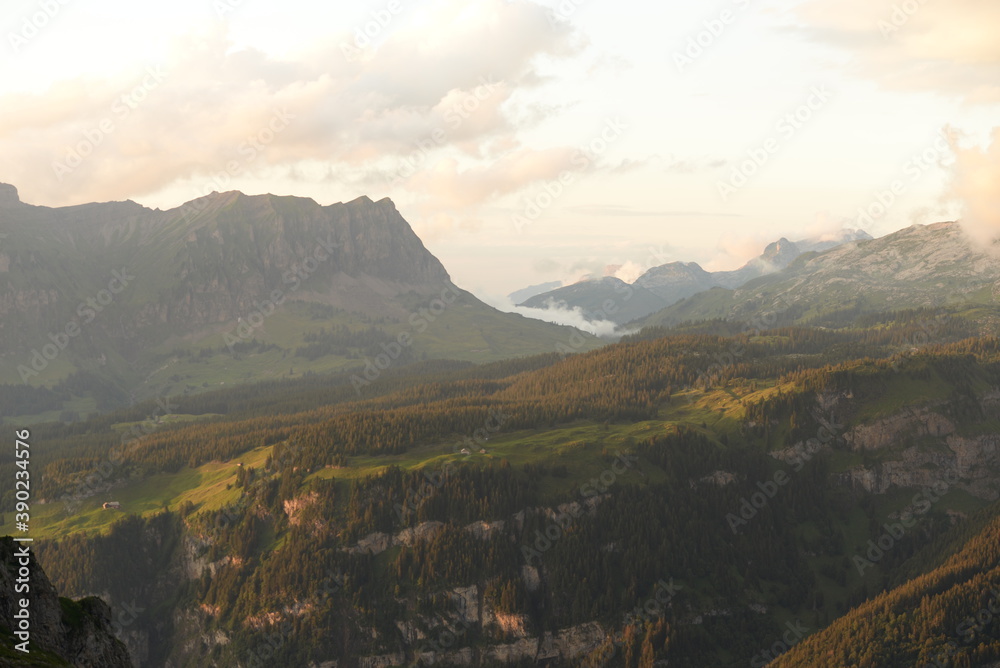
616, 211
976, 183
545, 266
559, 315
630, 271
735, 250
943, 47
450, 185
210, 117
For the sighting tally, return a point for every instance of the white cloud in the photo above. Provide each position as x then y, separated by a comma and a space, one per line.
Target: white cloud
943, 47
976, 183
561, 316
215, 103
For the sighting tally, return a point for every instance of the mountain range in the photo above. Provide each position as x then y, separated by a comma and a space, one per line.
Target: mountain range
922, 266
260, 435
102, 304
664, 285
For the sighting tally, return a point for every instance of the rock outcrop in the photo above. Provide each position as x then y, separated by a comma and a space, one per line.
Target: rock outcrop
79, 633
919, 447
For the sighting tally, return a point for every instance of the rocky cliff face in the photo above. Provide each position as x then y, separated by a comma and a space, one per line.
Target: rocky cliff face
916, 447
941, 454
209, 262
79, 633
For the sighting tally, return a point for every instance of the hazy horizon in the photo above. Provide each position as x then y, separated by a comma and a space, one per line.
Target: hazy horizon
526, 142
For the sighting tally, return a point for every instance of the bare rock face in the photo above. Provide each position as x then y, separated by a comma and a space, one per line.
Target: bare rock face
377, 543
206, 263
941, 453
79, 632
890, 430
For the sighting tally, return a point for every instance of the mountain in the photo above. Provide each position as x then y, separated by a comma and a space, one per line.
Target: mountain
776, 256
648, 499
923, 266
664, 285
101, 304
61, 632
676, 280
524, 294
607, 298
942, 617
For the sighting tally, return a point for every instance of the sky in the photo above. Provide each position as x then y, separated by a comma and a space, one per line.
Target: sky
525, 142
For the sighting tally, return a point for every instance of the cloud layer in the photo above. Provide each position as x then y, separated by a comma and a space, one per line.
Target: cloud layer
209, 113
918, 45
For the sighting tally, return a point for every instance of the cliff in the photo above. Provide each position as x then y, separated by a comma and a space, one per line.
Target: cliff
62, 632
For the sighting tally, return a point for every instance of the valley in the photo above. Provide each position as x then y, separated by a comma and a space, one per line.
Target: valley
645, 462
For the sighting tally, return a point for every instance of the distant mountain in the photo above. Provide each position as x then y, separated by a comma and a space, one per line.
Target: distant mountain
608, 298
776, 256
669, 283
917, 267
676, 280
103, 302
524, 294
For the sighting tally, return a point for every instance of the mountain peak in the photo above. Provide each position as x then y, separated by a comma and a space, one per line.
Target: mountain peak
781, 250
8, 195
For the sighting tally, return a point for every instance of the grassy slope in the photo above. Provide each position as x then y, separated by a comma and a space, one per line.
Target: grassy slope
466, 331
577, 446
